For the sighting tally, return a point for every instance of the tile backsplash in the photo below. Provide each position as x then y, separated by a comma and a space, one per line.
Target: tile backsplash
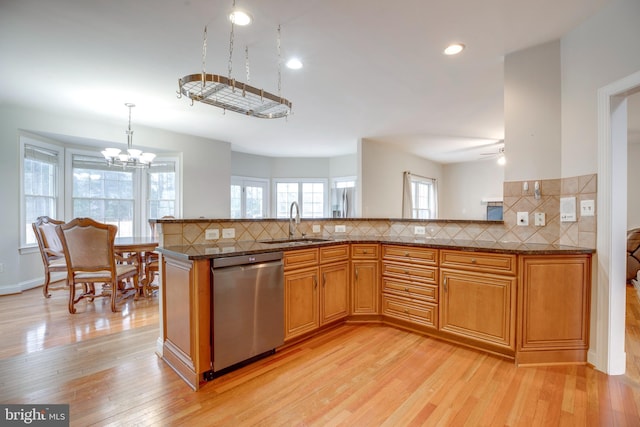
581, 233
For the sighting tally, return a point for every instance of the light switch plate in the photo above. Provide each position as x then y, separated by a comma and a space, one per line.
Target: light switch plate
539, 219
228, 233
587, 208
341, 229
522, 218
419, 229
211, 234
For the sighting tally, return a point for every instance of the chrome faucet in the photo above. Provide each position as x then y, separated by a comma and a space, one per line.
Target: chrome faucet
291, 218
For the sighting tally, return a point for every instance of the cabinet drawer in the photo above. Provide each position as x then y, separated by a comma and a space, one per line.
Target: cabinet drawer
364, 251
411, 289
420, 313
334, 253
410, 254
479, 261
410, 272
300, 258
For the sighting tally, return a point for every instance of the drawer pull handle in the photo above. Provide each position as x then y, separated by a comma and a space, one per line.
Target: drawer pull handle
407, 254
445, 284
364, 251
315, 282
406, 289
406, 272
473, 260
406, 311
356, 272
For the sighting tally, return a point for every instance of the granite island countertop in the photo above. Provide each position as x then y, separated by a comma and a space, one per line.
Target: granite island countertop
226, 249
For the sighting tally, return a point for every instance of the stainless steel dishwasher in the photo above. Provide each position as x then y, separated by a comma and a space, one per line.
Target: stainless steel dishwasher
248, 307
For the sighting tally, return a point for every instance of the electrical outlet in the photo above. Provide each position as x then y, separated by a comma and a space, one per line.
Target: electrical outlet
228, 233
341, 229
211, 234
522, 218
539, 218
418, 229
587, 208
316, 228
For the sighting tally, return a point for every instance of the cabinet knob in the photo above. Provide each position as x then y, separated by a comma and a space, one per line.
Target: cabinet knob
407, 254
406, 289
365, 251
473, 260
406, 311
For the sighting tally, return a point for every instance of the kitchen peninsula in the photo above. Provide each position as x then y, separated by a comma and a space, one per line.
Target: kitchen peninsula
526, 302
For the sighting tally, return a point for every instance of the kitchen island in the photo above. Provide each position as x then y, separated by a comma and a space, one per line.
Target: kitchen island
525, 302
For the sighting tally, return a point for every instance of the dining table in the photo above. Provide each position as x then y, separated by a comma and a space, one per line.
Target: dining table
138, 247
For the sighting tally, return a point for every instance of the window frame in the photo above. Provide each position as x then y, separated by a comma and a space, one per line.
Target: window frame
144, 191
45, 144
433, 197
243, 182
300, 182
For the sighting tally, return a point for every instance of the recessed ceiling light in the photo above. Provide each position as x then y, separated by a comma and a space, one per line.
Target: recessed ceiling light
239, 17
294, 64
454, 49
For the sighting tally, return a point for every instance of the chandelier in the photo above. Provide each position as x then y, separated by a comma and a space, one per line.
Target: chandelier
228, 93
133, 158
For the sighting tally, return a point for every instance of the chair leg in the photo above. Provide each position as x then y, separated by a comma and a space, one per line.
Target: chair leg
72, 298
114, 294
45, 287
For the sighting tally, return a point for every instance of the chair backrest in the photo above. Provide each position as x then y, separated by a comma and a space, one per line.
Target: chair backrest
88, 245
48, 241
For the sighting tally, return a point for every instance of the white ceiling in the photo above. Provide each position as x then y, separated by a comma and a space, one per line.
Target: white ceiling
372, 68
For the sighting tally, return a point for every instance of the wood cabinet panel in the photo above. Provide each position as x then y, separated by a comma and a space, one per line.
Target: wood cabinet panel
554, 302
334, 253
365, 251
365, 291
300, 258
479, 261
406, 309
421, 291
334, 301
478, 306
410, 254
410, 272
301, 302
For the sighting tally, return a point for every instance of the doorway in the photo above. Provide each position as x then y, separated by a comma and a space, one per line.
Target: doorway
610, 290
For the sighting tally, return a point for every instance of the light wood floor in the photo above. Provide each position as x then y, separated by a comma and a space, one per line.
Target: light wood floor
103, 364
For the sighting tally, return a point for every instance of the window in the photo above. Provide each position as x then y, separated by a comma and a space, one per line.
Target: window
423, 197
40, 183
311, 196
161, 189
249, 197
103, 193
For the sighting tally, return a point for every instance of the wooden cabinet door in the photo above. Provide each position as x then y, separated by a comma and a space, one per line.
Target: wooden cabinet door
300, 302
478, 306
334, 292
364, 287
553, 306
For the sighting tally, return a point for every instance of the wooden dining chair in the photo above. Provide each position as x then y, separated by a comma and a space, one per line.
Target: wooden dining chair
88, 247
50, 249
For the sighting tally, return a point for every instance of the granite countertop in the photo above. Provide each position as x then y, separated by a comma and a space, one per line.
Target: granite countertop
210, 251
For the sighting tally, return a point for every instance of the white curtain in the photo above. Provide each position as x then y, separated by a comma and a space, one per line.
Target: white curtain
407, 196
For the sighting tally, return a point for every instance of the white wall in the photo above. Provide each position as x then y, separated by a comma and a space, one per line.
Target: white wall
465, 185
343, 166
602, 50
381, 177
204, 161
532, 113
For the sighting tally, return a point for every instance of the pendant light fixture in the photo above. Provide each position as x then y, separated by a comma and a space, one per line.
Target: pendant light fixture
132, 158
230, 94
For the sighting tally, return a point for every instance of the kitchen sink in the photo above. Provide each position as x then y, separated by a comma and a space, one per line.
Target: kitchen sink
296, 241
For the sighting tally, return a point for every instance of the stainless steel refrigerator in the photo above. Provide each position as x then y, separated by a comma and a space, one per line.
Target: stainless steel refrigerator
343, 202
